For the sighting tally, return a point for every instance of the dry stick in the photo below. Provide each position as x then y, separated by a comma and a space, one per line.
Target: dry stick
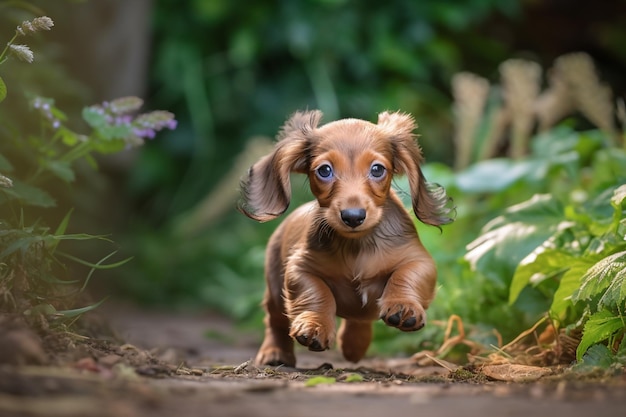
524, 334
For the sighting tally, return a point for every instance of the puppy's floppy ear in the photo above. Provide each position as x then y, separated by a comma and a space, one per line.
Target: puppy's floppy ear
429, 200
266, 190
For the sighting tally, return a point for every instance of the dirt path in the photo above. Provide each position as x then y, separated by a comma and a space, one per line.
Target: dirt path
169, 368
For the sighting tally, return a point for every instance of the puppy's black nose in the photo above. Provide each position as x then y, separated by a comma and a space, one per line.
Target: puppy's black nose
353, 217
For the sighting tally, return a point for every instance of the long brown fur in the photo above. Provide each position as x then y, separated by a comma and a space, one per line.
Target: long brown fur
354, 251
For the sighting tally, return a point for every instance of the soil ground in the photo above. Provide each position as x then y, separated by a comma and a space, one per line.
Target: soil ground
162, 364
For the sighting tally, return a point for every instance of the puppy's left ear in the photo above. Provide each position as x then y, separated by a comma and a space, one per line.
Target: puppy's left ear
429, 201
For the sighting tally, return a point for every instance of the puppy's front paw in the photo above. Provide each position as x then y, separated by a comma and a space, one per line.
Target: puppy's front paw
313, 331
407, 316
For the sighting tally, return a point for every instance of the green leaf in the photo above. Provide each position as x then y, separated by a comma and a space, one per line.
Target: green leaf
78, 311
111, 145
597, 356
569, 284
29, 195
317, 380
608, 167
95, 117
20, 244
354, 378
62, 170
67, 136
537, 267
58, 114
5, 164
51, 239
51, 279
60, 230
91, 161
605, 282
508, 239
604, 211
96, 265
3, 90
598, 328
595, 214
494, 175
64, 223
560, 139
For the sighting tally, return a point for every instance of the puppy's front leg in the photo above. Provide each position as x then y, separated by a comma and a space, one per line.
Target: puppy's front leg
311, 308
408, 294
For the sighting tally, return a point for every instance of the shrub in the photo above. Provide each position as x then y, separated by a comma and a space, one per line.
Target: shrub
37, 155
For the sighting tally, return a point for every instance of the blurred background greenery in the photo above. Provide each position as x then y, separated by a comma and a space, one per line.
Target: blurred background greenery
232, 71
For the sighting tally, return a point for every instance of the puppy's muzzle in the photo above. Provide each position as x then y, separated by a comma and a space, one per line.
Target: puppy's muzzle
353, 217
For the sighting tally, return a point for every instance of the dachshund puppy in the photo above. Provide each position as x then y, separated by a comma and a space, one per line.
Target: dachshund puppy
354, 251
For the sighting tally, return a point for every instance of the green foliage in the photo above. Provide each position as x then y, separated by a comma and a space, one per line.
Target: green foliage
566, 248
232, 73
597, 356
509, 238
3, 90
599, 327
37, 157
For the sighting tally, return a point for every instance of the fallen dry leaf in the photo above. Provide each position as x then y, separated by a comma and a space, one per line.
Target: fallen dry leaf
515, 373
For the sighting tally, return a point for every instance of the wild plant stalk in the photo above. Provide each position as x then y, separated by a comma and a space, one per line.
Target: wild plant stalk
23, 52
521, 83
470, 95
574, 85
591, 97
553, 104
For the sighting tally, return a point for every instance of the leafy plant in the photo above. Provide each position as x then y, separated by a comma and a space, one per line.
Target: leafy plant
579, 265
561, 251
33, 274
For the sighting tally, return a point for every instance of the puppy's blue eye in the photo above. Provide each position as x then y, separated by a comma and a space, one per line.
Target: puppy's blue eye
377, 171
324, 172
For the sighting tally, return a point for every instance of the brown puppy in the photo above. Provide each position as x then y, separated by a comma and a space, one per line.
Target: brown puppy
354, 252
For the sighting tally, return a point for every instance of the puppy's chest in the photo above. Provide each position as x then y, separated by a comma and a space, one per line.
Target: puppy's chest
357, 281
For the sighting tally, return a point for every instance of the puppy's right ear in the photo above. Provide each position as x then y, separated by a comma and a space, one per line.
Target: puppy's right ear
266, 190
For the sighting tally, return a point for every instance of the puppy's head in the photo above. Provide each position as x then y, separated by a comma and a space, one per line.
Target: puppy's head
350, 164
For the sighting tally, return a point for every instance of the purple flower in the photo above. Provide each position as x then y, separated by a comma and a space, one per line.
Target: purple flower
119, 113
123, 120
172, 124
145, 133
45, 106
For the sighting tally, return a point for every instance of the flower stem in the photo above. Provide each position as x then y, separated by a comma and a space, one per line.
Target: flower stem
3, 56
77, 152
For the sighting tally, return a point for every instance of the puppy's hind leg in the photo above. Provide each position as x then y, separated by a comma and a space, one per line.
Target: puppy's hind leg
277, 347
354, 338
